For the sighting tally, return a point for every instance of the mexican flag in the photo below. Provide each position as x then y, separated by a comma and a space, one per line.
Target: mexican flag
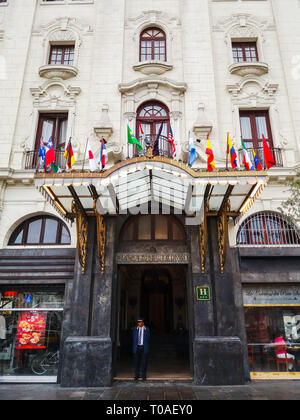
246, 159
132, 140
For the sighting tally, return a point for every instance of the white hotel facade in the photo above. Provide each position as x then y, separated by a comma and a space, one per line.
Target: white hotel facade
85, 69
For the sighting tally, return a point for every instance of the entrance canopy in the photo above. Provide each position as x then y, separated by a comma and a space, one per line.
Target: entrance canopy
131, 185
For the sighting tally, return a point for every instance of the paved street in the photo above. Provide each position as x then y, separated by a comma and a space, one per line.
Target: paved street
157, 391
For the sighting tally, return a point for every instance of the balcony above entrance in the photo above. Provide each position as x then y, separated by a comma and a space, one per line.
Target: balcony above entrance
136, 184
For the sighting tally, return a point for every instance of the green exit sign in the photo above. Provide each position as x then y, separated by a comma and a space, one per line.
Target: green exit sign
203, 293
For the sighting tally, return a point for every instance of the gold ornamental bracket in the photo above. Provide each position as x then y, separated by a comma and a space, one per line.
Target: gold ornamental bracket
82, 233
203, 238
101, 238
222, 224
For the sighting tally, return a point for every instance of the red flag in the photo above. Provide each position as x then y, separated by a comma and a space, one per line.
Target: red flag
269, 159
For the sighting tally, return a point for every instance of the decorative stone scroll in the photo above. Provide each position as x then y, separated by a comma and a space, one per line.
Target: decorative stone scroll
82, 234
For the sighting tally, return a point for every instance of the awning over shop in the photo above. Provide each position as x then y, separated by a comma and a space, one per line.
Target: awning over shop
134, 183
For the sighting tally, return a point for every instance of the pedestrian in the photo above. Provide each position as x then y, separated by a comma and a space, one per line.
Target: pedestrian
141, 341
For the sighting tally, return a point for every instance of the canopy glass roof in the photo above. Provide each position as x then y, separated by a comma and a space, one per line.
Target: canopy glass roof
137, 182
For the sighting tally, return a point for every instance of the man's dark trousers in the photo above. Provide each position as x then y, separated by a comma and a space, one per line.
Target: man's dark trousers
140, 360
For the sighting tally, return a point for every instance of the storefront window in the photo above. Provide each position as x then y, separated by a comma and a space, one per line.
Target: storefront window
30, 330
272, 321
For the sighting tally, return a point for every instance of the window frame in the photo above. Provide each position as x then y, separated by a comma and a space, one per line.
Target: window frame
134, 220
264, 219
243, 45
25, 228
152, 120
64, 48
58, 119
153, 39
252, 114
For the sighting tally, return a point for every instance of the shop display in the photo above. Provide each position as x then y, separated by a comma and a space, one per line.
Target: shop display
30, 329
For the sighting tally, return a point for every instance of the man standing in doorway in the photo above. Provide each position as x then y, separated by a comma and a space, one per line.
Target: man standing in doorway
141, 341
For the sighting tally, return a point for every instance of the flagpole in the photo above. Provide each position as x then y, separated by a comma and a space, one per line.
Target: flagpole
85, 153
227, 152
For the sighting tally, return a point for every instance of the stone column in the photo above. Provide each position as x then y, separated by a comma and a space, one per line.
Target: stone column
87, 350
219, 356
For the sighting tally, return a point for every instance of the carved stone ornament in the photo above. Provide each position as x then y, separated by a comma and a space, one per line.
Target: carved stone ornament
152, 67
103, 127
55, 94
82, 234
253, 91
249, 69
58, 72
202, 127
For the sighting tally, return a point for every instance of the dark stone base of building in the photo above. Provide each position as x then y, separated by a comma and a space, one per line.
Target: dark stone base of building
218, 361
86, 362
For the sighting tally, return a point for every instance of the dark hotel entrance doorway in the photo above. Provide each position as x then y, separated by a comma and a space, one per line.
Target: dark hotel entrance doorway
158, 293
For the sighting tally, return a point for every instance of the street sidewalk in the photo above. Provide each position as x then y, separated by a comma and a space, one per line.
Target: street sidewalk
155, 391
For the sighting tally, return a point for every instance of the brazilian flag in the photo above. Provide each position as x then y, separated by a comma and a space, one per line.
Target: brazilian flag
132, 140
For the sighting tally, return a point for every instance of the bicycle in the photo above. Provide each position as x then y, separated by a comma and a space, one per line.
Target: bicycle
45, 362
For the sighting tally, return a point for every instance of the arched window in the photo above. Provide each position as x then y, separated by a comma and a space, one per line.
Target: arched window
152, 119
41, 230
267, 228
153, 227
150, 116
153, 45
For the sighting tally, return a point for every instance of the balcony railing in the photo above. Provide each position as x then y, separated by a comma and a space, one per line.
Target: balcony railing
147, 141
277, 154
33, 161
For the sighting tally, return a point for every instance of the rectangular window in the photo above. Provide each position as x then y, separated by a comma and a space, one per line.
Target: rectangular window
244, 52
62, 54
52, 126
254, 124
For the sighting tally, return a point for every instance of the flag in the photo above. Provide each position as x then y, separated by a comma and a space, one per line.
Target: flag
210, 156
132, 140
171, 140
144, 137
103, 154
42, 153
49, 153
156, 144
231, 152
52, 168
269, 159
90, 156
256, 161
192, 151
69, 155
246, 158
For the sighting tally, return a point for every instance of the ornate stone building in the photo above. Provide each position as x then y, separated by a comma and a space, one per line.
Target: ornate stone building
206, 258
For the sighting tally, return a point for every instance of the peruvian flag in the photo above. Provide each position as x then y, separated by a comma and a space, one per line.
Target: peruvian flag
103, 154
91, 158
269, 159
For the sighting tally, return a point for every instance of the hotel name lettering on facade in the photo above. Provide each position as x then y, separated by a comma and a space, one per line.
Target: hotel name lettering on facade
181, 258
